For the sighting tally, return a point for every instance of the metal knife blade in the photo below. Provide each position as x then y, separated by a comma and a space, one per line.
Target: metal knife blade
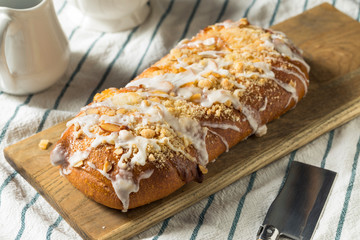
297, 208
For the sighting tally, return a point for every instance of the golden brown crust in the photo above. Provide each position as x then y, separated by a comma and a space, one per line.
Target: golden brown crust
267, 98
94, 185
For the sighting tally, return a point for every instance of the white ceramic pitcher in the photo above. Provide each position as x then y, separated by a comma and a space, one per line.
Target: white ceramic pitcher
34, 50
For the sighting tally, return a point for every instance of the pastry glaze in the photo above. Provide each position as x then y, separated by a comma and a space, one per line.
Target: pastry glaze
138, 144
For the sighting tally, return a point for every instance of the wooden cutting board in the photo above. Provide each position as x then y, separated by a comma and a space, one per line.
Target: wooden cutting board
330, 41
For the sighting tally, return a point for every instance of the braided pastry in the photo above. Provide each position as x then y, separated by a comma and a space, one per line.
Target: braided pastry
134, 145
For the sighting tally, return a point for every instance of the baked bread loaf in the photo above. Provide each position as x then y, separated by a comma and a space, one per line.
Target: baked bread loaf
134, 145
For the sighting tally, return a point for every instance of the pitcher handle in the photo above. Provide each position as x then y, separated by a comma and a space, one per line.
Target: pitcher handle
5, 21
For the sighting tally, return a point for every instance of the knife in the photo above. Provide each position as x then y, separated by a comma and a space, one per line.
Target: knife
296, 210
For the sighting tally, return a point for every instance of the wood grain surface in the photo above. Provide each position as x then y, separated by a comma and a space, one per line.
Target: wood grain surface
330, 41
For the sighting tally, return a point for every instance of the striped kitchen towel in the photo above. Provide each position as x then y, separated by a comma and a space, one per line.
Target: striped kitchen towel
102, 60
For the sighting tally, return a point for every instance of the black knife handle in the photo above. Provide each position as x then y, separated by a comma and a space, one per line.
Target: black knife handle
268, 232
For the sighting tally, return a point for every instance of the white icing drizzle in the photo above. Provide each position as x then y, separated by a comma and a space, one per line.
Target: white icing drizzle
85, 122
221, 126
65, 171
58, 155
106, 103
197, 43
266, 67
289, 89
210, 97
91, 165
252, 117
238, 85
301, 77
175, 149
105, 174
282, 43
192, 73
222, 139
209, 41
228, 24
214, 54
187, 92
141, 143
221, 96
190, 129
155, 82
124, 184
299, 71
268, 73
263, 108
77, 157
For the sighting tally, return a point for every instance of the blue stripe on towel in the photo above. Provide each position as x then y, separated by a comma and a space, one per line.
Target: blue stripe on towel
7, 124
221, 14
61, 8
274, 13
76, 71
202, 217
240, 206
183, 35
352, 180
6, 182
351, 183
23, 214
305, 5
2, 135
152, 38
73, 32
348, 192
163, 227
52, 227
108, 69
189, 21
248, 8
328, 147
291, 159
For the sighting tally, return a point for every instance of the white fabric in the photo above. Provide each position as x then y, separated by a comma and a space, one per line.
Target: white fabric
25, 214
